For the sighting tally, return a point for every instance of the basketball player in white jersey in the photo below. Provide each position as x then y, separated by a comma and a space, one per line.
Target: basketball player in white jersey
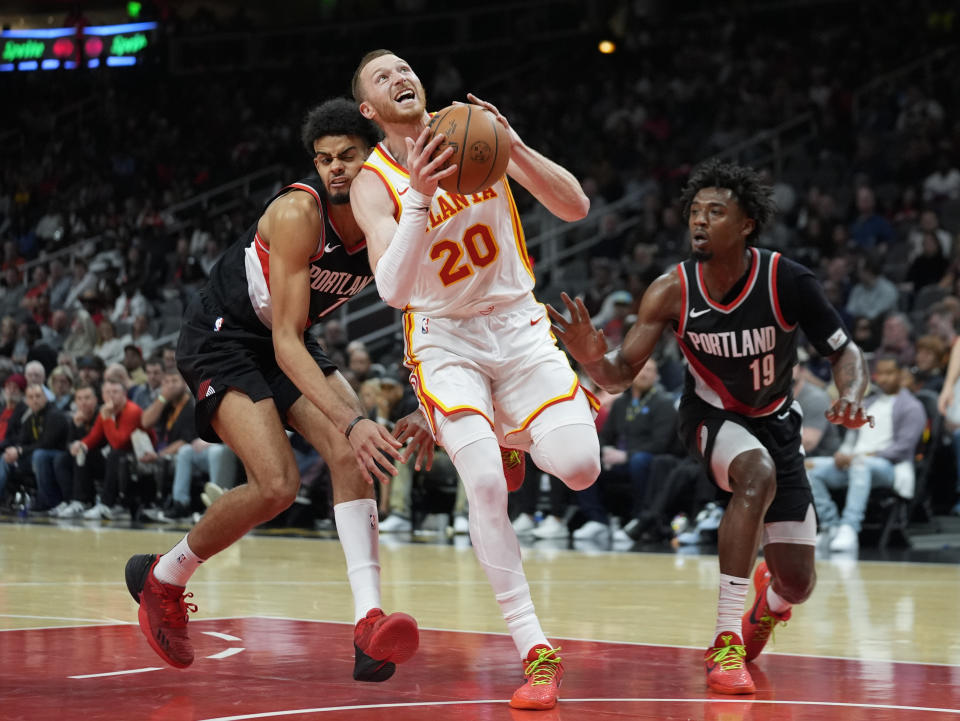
484, 364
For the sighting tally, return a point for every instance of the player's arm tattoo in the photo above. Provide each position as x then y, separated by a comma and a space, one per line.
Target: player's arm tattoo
850, 373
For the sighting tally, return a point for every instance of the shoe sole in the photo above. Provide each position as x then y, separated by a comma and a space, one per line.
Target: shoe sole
732, 690
396, 640
531, 705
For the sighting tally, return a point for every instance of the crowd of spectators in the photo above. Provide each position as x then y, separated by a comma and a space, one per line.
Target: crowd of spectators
868, 196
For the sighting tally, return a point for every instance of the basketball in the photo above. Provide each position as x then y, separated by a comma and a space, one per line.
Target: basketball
481, 147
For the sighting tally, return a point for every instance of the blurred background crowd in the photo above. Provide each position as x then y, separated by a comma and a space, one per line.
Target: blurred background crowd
121, 187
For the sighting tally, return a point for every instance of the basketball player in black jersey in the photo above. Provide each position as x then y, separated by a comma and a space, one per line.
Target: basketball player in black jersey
254, 372
735, 311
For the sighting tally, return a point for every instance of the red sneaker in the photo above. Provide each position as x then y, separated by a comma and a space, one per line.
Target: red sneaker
543, 672
514, 467
380, 642
724, 662
758, 623
163, 610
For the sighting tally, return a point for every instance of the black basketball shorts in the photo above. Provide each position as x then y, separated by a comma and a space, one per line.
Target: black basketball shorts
779, 433
215, 354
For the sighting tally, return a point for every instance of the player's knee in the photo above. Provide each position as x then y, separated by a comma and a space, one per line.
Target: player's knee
796, 585
486, 490
754, 476
581, 472
278, 492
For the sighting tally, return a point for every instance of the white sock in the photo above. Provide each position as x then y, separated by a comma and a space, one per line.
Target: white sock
495, 542
775, 602
360, 539
177, 565
733, 595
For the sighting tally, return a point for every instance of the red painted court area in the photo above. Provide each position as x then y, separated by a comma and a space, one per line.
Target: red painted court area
285, 669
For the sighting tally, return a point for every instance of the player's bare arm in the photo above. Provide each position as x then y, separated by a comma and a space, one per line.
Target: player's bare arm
851, 376
614, 370
291, 227
552, 185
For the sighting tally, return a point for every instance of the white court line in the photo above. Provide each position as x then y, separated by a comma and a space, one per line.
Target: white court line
97, 621
565, 701
223, 636
118, 673
227, 652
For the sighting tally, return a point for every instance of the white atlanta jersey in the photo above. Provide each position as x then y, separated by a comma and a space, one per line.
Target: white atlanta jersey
474, 256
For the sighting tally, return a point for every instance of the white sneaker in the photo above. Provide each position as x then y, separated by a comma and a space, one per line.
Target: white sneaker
211, 492
74, 509
58, 509
461, 525
592, 530
551, 527
395, 524
622, 537
97, 512
118, 513
523, 524
846, 539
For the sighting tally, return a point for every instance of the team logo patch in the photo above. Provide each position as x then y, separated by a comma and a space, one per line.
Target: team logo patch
205, 389
838, 338
218, 324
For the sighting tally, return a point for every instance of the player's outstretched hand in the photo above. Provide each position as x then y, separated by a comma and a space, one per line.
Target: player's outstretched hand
500, 117
585, 343
426, 171
376, 449
415, 429
848, 414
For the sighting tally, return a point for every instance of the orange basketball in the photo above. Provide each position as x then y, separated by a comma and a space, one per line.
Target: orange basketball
481, 147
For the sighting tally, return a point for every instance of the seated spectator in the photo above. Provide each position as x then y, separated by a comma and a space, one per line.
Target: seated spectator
818, 436
36, 373
146, 393
13, 407
82, 338
395, 400
85, 469
929, 362
140, 336
90, 370
874, 456
41, 446
118, 418
929, 267
133, 362
870, 230
896, 338
61, 383
874, 295
108, 347
641, 425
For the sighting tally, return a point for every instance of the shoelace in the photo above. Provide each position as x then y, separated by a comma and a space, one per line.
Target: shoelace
543, 668
511, 457
729, 658
175, 610
765, 628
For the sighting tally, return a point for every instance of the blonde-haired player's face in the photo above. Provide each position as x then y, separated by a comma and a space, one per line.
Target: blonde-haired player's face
392, 91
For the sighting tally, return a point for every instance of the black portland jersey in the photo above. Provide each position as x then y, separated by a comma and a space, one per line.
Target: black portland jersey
740, 356
240, 281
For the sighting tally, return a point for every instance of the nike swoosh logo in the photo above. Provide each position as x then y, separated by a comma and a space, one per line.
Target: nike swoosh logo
534, 322
330, 248
698, 313
401, 192
783, 417
734, 583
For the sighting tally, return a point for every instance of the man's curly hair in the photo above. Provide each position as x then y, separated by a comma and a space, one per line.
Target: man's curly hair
753, 195
337, 117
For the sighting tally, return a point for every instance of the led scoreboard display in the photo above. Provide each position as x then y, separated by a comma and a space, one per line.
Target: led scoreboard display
93, 46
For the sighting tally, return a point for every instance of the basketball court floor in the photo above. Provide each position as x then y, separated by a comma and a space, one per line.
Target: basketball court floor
273, 635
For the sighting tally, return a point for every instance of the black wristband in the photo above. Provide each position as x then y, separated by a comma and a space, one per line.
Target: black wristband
354, 422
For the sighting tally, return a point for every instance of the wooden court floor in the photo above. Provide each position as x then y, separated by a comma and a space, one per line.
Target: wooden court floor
877, 640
